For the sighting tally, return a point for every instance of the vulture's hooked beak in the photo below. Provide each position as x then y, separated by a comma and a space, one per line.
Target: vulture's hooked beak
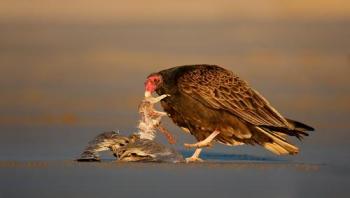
147, 94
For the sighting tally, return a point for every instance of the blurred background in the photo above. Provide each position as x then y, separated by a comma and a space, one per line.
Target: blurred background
72, 69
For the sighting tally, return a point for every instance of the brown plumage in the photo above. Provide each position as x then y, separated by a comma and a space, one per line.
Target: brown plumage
204, 98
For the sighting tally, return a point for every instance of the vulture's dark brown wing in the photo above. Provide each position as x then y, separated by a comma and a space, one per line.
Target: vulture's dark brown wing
221, 89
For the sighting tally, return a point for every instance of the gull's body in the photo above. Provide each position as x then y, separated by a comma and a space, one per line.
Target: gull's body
130, 149
137, 147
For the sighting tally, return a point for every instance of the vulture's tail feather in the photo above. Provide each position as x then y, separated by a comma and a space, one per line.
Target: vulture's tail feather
278, 144
299, 129
299, 125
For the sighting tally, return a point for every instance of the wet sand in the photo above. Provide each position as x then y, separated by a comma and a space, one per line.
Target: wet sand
208, 179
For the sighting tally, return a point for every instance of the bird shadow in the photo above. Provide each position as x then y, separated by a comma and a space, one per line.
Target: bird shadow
215, 156
231, 157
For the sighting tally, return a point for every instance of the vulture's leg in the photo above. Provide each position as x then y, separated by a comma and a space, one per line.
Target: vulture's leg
195, 156
204, 143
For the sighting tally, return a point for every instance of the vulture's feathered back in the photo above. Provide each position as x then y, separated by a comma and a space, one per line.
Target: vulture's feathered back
204, 98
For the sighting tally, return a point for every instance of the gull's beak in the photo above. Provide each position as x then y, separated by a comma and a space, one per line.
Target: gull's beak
147, 94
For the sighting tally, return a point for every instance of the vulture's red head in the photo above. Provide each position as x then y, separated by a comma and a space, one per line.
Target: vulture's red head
152, 83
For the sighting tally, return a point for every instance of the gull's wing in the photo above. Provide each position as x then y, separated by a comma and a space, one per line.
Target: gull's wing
102, 142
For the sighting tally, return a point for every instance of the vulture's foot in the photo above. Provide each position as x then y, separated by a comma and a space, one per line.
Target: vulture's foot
195, 156
204, 143
200, 144
193, 159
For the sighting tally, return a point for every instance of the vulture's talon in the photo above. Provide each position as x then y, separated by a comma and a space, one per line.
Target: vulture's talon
193, 159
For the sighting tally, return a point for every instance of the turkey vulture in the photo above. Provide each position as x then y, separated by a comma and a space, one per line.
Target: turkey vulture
212, 103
